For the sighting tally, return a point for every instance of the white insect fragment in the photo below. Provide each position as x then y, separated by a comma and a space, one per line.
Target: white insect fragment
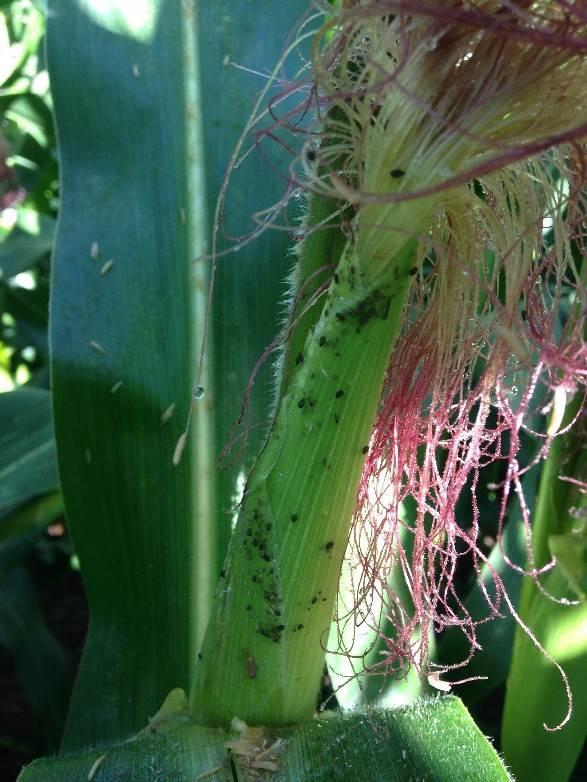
94, 251
166, 415
88, 455
97, 347
116, 387
136, 71
181, 443
95, 766
106, 268
437, 683
559, 404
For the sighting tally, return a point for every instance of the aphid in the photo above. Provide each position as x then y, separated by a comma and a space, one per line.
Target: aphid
558, 411
437, 683
166, 415
251, 667
95, 766
180, 445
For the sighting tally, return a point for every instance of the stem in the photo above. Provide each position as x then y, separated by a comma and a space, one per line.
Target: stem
263, 653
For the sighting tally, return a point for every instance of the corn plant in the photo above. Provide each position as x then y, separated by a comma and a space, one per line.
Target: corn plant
426, 162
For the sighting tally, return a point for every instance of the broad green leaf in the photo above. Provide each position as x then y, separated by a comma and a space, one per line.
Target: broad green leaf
145, 126
535, 692
432, 740
27, 449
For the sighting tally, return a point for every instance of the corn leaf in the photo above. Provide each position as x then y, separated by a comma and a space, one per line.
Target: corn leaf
146, 115
434, 739
556, 612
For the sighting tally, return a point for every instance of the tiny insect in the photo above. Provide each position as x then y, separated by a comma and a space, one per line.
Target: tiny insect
437, 683
558, 411
179, 448
97, 347
96, 765
166, 415
251, 667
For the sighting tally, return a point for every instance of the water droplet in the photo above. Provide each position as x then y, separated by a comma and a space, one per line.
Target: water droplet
199, 392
